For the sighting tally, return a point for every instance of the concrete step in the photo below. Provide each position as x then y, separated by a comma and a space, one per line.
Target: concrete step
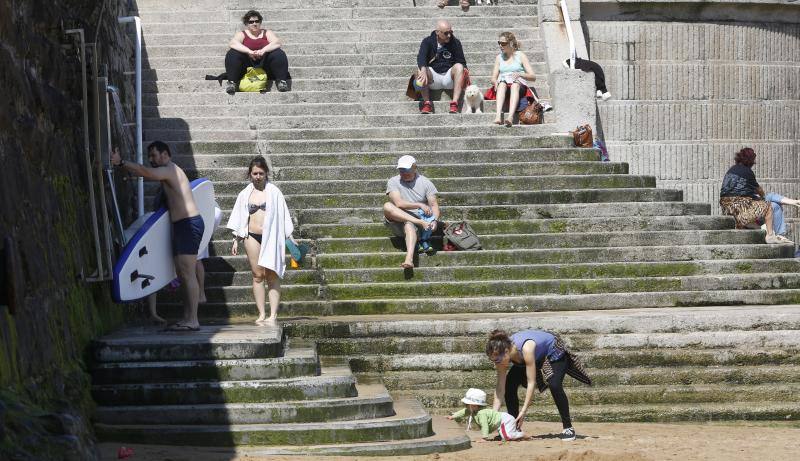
473, 49
504, 304
411, 421
274, 15
536, 271
371, 401
786, 339
479, 122
267, 6
448, 436
373, 145
674, 412
451, 186
391, 103
217, 294
712, 318
331, 77
368, 64
475, 198
503, 241
525, 226
525, 32
332, 383
432, 171
471, 288
247, 102
299, 159
644, 395
365, 134
400, 381
592, 359
561, 256
510, 212
410, 26
296, 361
212, 342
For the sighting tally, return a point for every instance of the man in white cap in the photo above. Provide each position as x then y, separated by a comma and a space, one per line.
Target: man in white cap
412, 203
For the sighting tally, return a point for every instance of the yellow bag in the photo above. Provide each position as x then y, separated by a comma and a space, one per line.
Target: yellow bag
254, 80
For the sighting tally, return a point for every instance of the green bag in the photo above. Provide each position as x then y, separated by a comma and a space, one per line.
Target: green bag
254, 80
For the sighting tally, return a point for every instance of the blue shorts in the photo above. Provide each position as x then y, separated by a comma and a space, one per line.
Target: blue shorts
186, 235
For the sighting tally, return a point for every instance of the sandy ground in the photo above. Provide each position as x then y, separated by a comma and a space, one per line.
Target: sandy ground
596, 442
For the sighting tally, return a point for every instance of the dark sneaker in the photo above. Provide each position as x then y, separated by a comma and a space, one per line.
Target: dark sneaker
231, 89
453, 107
283, 85
568, 435
427, 107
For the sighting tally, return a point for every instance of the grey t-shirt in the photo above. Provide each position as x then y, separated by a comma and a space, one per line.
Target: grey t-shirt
417, 190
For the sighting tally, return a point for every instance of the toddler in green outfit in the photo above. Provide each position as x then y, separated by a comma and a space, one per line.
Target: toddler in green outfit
489, 420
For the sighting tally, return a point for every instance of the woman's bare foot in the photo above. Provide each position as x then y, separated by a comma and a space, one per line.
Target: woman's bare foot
158, 320
407, 264
202, 299
260, 320
271, 321
498, 121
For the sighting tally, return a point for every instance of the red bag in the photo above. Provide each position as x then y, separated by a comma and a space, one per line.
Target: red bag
491, 95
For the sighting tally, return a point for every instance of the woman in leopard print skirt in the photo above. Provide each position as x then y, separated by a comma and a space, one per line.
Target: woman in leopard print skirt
742, 197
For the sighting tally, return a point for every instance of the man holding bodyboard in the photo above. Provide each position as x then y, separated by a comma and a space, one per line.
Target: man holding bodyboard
187, 224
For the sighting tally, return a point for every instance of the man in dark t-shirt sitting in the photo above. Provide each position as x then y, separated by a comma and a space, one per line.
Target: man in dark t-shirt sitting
440, 64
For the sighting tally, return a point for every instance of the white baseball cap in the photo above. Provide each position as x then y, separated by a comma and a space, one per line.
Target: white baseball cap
475, 397
405, 162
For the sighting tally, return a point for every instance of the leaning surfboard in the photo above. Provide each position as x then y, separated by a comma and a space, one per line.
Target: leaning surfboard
146, 265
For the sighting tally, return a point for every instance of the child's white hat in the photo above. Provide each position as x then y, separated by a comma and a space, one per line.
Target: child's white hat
475, 397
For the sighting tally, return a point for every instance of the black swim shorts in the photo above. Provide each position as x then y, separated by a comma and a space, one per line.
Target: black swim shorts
186, 235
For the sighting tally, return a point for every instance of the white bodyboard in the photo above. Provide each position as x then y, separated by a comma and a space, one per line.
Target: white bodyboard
146, 264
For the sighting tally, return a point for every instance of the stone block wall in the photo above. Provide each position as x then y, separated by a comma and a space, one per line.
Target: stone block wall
47, 313
692, 83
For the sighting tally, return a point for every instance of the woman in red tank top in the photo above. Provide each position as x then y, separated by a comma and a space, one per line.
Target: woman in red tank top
256, 47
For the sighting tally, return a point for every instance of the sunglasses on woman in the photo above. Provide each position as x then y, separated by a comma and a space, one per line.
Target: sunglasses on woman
502, 43
254, 21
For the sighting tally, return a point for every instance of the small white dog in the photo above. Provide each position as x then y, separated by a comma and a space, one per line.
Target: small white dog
473, 100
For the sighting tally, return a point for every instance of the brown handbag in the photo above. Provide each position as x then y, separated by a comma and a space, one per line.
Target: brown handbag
582, 136
532, 115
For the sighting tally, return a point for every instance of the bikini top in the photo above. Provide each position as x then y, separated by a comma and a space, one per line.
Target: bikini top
253, 207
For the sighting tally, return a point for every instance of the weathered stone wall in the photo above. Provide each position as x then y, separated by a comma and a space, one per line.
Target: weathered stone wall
47, 314
693, 82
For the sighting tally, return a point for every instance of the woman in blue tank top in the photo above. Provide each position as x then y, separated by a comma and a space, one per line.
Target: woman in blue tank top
536, 357
511, 72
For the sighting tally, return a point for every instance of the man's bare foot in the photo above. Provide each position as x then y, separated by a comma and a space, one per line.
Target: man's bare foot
407, 265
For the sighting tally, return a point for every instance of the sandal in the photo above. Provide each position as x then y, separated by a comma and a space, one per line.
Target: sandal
782, 239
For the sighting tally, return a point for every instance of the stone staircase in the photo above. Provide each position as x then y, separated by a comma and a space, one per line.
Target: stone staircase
235, 385
679, 316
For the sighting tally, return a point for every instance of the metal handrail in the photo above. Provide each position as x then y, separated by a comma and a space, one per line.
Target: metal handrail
138, 84
567, 23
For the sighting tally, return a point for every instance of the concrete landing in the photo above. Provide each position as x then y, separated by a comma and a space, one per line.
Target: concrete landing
209, 343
